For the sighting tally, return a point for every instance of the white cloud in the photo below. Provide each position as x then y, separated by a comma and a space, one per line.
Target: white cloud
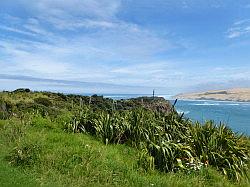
33, 25
73, 14
91, 8
154, 74
22, 60
85, 40
83, 57
119, 40
141, 69
16, 30
239, 28
234, 34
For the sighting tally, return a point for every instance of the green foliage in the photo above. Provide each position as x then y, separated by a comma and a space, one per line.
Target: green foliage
164, 141
27, 90
63, 119
44, 122
43, 101
5, 108
173, 143
3, 115
105, 128
146, 161
24, 155
2, 123
13, 176
39, 121
81, 121
12, 130
221, 148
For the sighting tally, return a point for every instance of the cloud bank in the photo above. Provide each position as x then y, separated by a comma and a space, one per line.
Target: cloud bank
109, 42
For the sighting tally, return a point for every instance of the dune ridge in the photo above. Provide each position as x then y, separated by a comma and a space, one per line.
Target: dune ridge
235, 94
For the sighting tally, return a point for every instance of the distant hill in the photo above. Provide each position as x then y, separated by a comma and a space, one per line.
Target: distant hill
24, 99
236, 94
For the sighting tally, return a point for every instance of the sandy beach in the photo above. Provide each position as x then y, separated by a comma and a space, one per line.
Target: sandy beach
236, 94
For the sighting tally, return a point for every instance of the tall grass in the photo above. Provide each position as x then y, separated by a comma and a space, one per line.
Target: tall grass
220, 147
168, 142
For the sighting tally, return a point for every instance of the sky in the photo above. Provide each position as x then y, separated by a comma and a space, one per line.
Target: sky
124, 46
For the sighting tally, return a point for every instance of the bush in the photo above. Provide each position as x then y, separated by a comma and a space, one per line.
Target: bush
3, 115
166, 141
44, 122
5, 109
82, 121
27, 90
2, 124
12, 130
221, 148
43, 101
171, 142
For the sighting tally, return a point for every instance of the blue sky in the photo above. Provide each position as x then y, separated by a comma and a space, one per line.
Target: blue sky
124, 46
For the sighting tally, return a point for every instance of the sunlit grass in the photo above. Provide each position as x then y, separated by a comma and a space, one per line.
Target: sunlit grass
88, 146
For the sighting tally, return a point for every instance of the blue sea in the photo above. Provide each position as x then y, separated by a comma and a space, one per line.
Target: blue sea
234, 114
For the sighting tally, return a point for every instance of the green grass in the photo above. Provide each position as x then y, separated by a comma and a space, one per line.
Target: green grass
10, 176
57, 158
82, 146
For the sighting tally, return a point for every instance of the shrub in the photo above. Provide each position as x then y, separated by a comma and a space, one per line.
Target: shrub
171, 142
12, 130
81, 121
43, 122
221, 148
22, 90
105, 129
43, 101
146, 161
166, 140
2, 124
3, 115
5, 109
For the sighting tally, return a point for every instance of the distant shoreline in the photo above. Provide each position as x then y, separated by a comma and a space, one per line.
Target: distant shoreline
233, 95
229, 101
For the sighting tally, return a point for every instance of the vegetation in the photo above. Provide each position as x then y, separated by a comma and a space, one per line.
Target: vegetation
60, 140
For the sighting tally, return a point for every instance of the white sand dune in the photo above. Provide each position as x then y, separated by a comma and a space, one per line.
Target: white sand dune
236, 94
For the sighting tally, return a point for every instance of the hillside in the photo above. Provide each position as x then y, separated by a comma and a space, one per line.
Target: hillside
239, 94
52, 139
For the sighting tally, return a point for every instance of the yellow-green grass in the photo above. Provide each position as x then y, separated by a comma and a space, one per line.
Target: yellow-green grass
20, 97
52, 157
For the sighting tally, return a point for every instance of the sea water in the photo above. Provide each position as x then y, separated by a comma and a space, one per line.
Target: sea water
234, 114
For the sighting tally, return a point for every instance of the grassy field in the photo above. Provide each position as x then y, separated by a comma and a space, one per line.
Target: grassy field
49, 142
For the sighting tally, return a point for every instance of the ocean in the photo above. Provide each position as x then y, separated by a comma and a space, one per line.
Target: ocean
234, 114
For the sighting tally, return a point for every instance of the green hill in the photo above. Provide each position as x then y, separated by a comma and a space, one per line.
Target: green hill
52, 139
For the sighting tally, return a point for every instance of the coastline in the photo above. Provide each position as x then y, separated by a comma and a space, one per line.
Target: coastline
217, 100
231, 95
